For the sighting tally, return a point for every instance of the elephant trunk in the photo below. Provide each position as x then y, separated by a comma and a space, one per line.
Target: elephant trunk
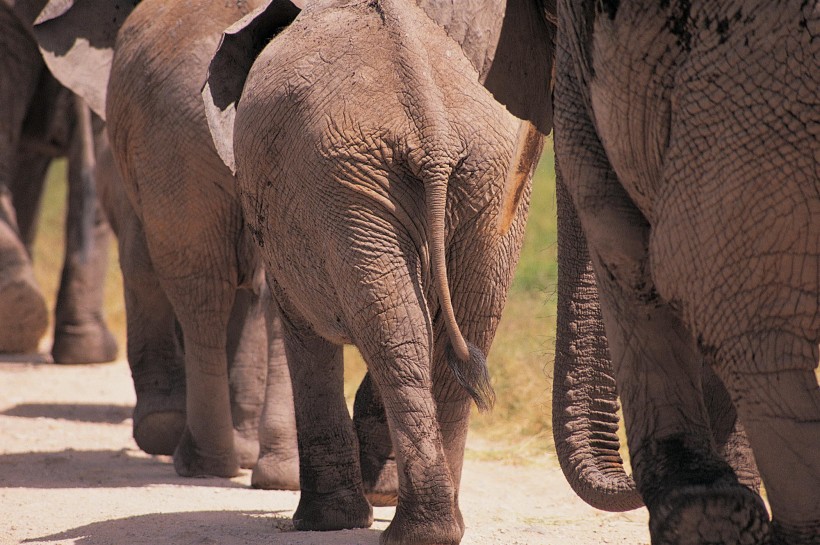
585, 405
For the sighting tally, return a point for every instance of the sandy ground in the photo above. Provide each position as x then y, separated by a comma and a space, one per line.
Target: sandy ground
70, 473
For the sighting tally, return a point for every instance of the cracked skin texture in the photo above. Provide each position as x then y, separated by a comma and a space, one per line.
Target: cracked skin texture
684, 131
348, 121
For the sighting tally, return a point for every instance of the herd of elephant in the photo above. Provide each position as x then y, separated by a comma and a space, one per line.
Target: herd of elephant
285, 178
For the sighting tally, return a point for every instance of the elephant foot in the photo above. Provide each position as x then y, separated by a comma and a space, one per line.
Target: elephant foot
381, 483
159, 420
705, 514
87, 343
803, 534
343, 510
246, 445
190, 461
447, 529
275, 472
23, 316
159, 432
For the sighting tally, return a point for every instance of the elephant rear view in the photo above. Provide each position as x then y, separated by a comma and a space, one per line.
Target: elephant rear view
388, 193
188, 263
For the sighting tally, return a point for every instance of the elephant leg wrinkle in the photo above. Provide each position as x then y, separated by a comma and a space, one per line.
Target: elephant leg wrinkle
330, 479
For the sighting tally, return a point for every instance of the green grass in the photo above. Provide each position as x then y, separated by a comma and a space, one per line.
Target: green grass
521, 357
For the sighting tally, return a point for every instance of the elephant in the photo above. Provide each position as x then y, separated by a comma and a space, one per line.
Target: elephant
201, 340
387, 189
200, 318
683, 134
41, 120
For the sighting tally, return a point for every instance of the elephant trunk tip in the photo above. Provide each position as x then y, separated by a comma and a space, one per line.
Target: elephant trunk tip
473, 375
599, 479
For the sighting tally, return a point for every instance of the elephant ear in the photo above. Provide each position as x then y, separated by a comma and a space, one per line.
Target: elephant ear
76, 38
527, 32
241, 43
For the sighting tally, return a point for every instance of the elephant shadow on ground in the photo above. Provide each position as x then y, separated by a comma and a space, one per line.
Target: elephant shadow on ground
34, 359
211, 527
95, 413
95, 469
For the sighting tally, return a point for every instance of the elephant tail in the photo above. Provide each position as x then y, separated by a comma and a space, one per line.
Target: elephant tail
432, 161
467, 362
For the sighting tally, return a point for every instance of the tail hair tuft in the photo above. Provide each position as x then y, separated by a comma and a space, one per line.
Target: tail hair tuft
473, 375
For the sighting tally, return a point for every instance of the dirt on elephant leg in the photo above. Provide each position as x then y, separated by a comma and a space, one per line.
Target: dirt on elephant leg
695, 498
783, 534
730, 438
344, 509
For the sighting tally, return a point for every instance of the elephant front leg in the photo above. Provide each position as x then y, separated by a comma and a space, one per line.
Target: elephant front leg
730, 437
691, 492
247, 362
773, 383
23, 311
332, 496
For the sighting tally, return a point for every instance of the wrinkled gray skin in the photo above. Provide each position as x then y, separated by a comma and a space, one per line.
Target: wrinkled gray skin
198, 309
683, 134
194, 287
39, 122
388, 191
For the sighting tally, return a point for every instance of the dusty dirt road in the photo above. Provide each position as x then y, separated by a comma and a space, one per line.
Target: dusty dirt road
70, 473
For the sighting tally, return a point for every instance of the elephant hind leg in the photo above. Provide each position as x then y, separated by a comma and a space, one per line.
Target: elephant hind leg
397, 344
332, 496
780, 409
153, 347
